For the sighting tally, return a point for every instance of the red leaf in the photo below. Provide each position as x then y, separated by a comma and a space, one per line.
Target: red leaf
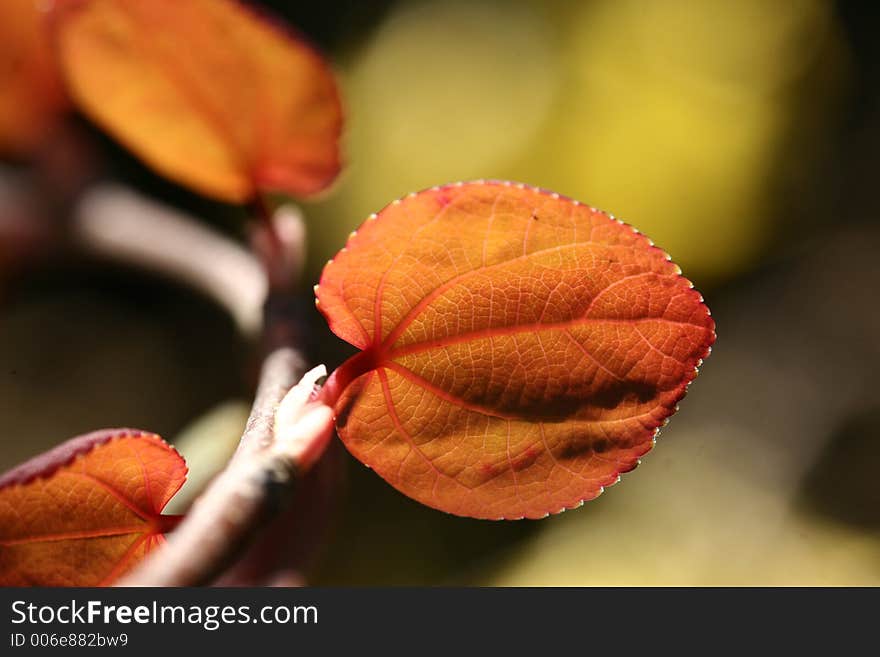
207, 92
85, 512
520, 349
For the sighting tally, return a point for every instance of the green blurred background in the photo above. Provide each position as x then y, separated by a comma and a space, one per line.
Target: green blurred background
743, 136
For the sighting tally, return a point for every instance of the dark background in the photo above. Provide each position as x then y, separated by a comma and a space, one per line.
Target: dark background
743, 137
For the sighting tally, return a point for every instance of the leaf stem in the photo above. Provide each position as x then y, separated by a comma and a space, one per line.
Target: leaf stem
342, 376
255, 486
114, 222
265, 214
166, 523
286, 433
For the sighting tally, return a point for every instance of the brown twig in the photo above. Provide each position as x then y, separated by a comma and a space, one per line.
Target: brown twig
287, 430
114, 222
290, 547
284, 435
279, 241
27, 229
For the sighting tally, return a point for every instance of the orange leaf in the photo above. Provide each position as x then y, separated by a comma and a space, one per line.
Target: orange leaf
206, 92
85, 512
520, 350
31, 96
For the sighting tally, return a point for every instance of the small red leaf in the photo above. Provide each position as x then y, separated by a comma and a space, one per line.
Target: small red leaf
85, 512
520, 349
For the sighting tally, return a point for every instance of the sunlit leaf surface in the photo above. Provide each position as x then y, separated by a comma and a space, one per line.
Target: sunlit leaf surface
206, 92
31, 96
85, 512
520, 349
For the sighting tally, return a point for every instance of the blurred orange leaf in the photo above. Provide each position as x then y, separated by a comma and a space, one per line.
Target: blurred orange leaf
206, 92
520, 350
31, 94
85, 512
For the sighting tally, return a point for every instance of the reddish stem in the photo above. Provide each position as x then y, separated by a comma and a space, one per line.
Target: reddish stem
342, 376
167, 523
264, 213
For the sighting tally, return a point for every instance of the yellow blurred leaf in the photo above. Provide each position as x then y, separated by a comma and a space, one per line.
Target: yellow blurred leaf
443, 91
677, 114
680, 116
692, 522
